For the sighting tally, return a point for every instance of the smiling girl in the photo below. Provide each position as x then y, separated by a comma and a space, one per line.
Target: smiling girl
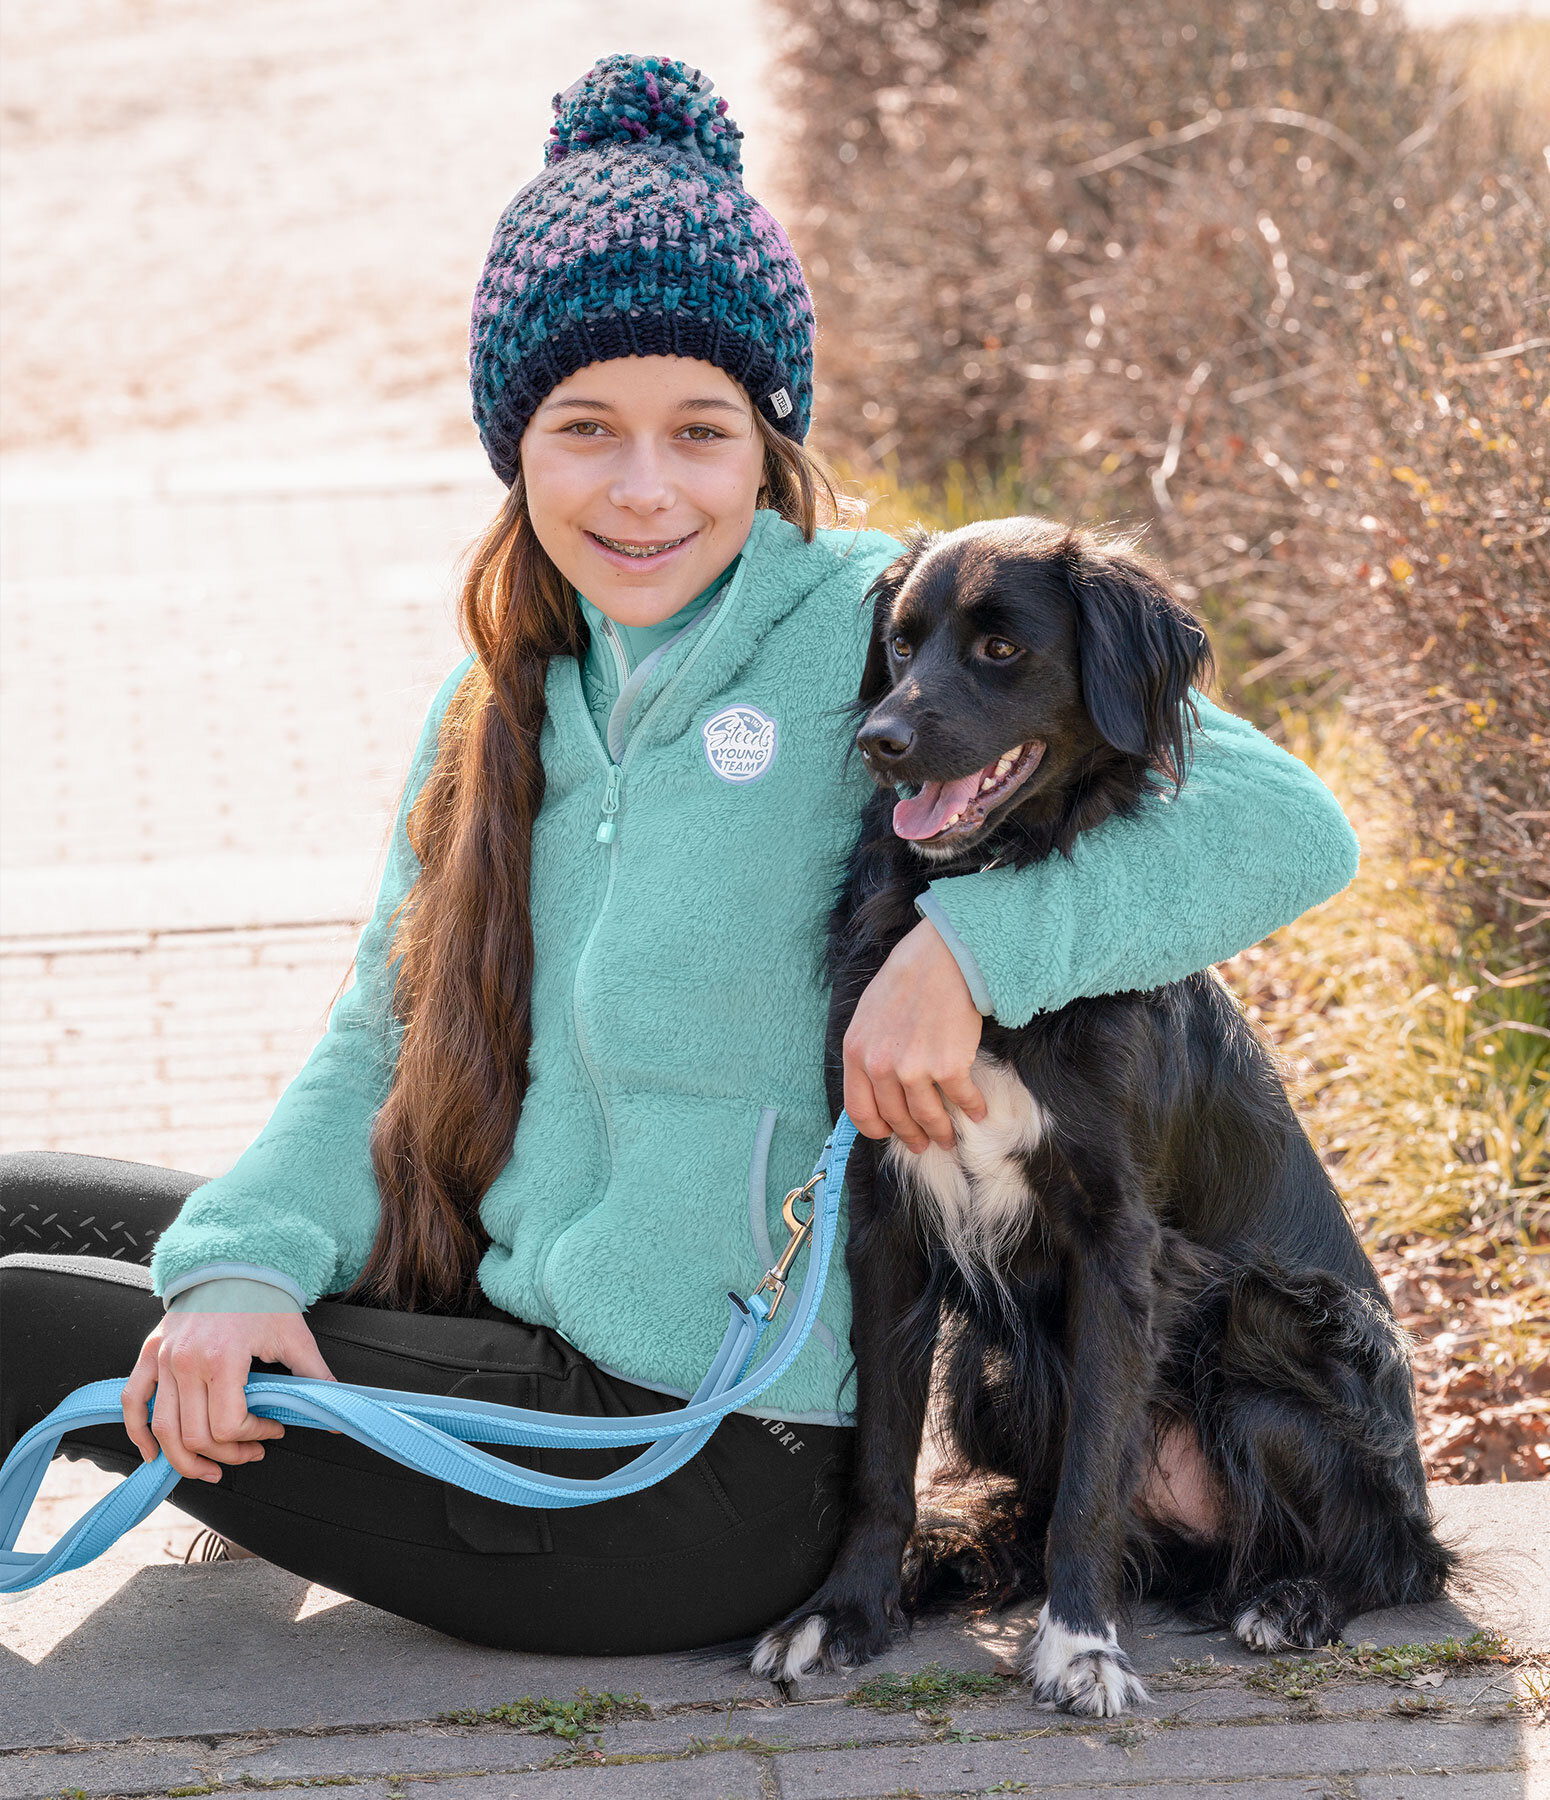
550, 1123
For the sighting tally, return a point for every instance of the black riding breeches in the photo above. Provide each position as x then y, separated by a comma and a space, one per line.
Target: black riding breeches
742, 1533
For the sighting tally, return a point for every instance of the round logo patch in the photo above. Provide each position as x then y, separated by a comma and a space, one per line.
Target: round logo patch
739, 743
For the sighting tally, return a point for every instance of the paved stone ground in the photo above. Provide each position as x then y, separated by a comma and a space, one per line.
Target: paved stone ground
142, 1676
213, 680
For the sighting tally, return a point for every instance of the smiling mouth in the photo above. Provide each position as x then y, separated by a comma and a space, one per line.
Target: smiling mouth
642, 552
946, 810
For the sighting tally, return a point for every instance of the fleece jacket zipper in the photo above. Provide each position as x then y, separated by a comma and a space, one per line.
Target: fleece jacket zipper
608, 834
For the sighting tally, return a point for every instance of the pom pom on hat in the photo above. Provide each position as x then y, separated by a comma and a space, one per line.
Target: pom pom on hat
637, 238
645, 100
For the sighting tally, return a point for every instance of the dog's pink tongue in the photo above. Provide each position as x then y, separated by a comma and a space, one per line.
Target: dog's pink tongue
925, 813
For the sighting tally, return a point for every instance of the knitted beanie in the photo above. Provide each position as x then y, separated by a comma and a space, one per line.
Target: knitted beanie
637, 239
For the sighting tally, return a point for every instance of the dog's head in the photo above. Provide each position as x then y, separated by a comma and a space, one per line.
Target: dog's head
1011, 659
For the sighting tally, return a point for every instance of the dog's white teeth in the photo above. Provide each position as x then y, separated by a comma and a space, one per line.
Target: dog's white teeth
990, 780
953, 820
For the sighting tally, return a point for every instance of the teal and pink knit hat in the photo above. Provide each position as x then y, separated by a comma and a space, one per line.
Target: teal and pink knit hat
637, 239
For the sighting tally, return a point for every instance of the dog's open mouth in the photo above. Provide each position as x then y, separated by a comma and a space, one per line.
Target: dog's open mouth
943, 810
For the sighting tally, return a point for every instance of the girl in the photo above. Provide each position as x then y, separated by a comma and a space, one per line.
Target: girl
550, 1123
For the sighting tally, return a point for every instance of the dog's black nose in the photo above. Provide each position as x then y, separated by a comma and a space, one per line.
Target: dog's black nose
885, 741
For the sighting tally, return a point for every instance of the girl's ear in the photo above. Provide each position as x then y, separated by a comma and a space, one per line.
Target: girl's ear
1141, 651
885, 587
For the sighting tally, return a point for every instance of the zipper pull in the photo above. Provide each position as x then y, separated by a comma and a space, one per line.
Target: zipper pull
609, 829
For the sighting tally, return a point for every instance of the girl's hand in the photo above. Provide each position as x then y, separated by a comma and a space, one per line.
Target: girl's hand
912, 1040
198, 1364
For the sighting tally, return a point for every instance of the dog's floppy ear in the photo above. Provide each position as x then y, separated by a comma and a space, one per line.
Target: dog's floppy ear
874, 677
1141, 650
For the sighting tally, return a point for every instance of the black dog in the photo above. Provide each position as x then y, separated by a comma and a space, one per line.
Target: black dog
1144, 1282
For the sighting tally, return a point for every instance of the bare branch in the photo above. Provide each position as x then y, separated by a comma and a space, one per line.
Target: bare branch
1214, 121
1163, 473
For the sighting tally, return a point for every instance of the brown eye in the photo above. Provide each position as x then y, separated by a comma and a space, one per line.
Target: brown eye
999, 650
900, 647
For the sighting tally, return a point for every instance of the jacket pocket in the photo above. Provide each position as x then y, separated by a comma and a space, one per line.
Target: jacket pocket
758, 1185
492, 1526
759, 1218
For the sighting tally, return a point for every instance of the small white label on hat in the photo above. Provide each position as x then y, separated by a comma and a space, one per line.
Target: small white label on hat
781, 401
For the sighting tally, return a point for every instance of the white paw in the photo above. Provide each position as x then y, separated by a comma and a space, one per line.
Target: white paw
788, 1655
1253, 1629
1079, 1671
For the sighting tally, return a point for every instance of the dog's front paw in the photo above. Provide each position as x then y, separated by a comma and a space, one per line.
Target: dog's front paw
1288, 1615
836, 1636
794, 1648
1079, 1670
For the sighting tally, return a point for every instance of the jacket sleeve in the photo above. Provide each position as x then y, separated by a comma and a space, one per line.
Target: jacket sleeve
302, 1199
235, 1293
1252, 840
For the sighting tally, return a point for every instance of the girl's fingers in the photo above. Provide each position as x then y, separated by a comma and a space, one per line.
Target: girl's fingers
895, 1108
960, 1089
231, 1424
166, 1423
300, 1352
193, 1413
199, 1395
928, 1112
136, 1403
861, 1100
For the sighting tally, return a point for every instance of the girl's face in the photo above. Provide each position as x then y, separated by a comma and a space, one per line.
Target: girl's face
643, 451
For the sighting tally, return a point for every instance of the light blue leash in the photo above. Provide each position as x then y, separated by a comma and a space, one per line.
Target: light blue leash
433, 1433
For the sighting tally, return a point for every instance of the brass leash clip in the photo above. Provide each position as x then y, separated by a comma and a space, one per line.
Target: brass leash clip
801, 1230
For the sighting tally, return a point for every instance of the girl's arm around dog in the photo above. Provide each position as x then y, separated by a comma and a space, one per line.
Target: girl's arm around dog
1250, 842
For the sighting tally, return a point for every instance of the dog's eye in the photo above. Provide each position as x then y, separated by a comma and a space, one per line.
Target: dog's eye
900, 647
999, 649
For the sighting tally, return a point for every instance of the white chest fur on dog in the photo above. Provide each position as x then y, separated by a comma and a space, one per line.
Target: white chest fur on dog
978, 1196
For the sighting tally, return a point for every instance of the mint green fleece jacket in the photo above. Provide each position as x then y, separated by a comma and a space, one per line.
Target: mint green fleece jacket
683, 867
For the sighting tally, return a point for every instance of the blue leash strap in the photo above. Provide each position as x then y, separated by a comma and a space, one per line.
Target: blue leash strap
434, 1434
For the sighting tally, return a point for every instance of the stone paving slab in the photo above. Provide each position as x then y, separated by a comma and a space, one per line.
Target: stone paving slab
210, 693
164, 1048
73, 1663
1523, 1784
1101, 1758
1380, 1752
153, 1678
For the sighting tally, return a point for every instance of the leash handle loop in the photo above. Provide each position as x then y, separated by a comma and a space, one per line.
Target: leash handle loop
435, 1434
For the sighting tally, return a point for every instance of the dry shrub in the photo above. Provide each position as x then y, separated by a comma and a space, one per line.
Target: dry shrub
1449, 358
1425, 1083
1142, 261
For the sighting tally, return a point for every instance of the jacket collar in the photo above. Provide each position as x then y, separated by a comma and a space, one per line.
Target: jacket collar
777, 570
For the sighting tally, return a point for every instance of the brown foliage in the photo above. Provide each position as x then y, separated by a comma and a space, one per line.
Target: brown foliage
1216, 271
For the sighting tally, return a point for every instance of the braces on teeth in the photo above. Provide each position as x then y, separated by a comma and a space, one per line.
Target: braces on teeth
636, 550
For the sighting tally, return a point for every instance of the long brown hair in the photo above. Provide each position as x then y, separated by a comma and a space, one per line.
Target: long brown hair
462, 949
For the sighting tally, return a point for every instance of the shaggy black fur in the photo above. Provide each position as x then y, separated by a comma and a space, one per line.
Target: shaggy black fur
1183, 1262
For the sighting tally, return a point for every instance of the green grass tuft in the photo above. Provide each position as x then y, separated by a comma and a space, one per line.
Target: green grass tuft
568, 1719
930, 1689
1297, 1678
